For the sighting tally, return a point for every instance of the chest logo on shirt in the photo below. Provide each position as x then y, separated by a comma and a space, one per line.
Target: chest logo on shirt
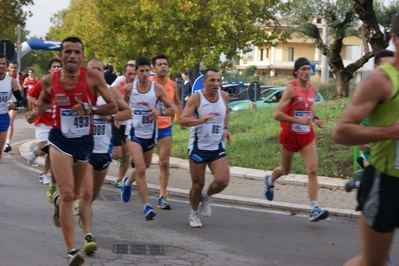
62, 101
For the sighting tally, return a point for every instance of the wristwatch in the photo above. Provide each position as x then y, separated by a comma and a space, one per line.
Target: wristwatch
162, 112
94, 109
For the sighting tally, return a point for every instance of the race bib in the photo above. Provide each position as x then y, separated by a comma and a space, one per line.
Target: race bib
4, 102
74, 125
141, 120
99, 130
299, 127
213, 131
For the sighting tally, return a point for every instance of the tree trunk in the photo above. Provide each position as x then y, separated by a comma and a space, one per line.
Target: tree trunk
342, 83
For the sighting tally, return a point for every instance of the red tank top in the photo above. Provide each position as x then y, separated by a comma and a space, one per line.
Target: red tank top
46, 117
31, 82
70, 123
301, 104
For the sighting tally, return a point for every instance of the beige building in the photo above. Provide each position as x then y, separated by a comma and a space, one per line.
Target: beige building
279, 59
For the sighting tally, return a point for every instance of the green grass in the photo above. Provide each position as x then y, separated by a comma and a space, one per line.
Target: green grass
255, 141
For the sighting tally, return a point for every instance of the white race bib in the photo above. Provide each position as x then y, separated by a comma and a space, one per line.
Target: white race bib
299, 127
213, 131
141, 120
74, 125
99, 130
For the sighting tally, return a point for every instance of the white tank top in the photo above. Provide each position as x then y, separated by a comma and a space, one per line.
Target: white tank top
5, 93
209, 135
102, 132
140, 102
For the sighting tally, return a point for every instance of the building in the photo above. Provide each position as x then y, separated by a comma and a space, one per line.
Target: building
279, 59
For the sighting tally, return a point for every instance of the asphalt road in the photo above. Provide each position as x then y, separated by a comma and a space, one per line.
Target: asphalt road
233, 235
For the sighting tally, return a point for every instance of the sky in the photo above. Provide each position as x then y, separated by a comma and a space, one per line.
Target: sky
42, 10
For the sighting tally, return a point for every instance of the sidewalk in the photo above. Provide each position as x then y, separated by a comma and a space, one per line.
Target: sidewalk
246, 187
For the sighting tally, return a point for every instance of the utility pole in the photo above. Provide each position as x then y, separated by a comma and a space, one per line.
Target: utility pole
19, 47
324, 64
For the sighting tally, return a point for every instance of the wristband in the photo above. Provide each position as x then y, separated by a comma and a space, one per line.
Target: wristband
316, 117
226, 128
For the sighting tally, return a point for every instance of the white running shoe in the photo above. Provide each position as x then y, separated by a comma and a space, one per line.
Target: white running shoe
41, 178
31, 158
194, 220
205, 206
45, 179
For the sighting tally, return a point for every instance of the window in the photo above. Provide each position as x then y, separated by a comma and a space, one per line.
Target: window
267, 52
290, 53
318, 21
261, 54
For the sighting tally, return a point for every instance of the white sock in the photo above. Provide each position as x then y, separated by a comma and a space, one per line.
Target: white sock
145, 205
270, 182
194, 212
313, 204
204, 194
89, 234
8, 141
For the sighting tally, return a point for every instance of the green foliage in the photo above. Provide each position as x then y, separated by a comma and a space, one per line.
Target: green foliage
255, 141
12, 13
250, 71
188, 32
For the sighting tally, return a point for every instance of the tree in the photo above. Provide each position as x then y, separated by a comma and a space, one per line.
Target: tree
341, 21
188, 32
12, 14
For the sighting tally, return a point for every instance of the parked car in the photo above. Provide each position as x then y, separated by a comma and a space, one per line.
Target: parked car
244, 94
234, 89
268, 98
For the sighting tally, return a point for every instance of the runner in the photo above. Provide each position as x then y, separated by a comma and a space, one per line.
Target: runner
164, 143
295, 113
99, 159
208, 115
71, 94
13, 73
29, 82
43, 125
143, 97
121, 150
8, 86
376, 97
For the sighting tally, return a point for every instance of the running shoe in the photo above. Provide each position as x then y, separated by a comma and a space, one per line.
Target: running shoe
32, 156
56, 213
205, 206
41, 178
75, 259
7, 148
118, 162
119, 184
45, 179
76, 207
50, 191
90, 245
194, 220
269, 191
149, 213
354, 181
317, 214
163, 204
126, 191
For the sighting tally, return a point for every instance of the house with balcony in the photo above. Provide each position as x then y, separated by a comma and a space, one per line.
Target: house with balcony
279, 59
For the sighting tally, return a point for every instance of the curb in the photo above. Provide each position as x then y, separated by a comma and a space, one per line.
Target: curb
324, 182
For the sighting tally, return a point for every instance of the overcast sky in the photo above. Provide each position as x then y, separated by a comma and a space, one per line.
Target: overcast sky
42, 10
